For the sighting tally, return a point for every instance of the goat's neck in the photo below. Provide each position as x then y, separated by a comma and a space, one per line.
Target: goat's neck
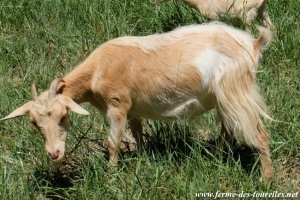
78, 83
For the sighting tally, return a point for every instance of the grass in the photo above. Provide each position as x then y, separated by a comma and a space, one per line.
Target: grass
42, 40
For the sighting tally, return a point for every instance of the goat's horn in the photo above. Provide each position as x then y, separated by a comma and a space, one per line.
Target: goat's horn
53, 87
33, 92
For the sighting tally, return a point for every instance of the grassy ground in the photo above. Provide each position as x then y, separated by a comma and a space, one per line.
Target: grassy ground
42, 40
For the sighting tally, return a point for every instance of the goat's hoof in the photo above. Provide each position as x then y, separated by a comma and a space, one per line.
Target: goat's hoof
266, 177
113, 163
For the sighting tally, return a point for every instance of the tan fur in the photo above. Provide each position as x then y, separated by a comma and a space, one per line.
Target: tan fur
175, 75
246, 10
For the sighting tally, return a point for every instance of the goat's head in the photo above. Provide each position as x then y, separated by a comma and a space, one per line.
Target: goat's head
49, 113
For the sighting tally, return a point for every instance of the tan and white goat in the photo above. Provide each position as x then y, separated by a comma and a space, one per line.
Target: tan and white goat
246, 10
175, 75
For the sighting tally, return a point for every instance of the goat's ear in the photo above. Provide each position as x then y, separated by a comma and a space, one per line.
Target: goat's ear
22, 110
74, 107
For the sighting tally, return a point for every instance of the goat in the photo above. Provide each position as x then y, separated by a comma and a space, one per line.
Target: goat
177, 75
246, 10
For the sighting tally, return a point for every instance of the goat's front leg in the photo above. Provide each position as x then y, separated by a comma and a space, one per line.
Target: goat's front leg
117, 118
137, 132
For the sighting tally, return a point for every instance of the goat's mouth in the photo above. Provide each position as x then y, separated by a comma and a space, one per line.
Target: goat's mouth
57, 160
57, 157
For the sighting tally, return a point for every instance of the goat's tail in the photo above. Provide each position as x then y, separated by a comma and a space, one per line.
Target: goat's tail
264, 38
239, 103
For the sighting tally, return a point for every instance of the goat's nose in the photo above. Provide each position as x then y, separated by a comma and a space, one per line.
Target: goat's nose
54, 155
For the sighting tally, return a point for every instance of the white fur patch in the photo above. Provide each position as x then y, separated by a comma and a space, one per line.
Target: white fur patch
211, 65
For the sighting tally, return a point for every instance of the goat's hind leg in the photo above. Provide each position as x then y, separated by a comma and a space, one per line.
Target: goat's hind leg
264, 16
266, 20
227, 142
248, 19
264, 153
224, 140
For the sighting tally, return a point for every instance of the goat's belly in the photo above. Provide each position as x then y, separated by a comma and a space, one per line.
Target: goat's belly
180, 111
188, 109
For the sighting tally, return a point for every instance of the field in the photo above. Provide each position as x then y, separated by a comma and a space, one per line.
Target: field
43, 40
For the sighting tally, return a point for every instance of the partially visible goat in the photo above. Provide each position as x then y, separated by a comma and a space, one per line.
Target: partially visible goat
246, 10
175, 75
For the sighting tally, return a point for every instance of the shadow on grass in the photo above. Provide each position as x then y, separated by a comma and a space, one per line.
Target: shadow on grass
179, 141
53, 182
